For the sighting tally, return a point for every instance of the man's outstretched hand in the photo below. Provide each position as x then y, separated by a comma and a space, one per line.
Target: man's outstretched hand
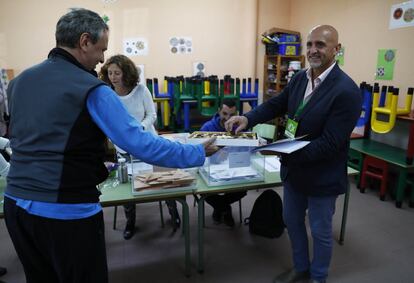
240, 121
209, 146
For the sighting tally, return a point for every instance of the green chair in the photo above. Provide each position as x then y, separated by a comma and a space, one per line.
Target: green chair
207, 93
266, 131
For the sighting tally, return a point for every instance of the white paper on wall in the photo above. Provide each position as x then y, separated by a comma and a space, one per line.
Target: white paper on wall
402, 15
199, 69
181, 45
136, 46
141, 73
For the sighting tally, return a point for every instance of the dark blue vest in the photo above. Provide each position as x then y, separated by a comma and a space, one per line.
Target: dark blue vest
57, 148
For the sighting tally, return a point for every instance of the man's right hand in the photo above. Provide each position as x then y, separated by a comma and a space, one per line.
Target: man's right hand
209, 146
240, 121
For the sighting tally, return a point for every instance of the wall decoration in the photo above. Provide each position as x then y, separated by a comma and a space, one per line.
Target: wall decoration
136, 46
385, 64
199, 69
340, 56
105, 18
181, 45
402, 15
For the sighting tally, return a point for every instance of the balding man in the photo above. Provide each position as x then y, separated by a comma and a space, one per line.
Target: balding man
323, 103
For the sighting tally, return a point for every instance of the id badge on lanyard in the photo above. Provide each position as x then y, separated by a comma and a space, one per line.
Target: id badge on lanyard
292, 124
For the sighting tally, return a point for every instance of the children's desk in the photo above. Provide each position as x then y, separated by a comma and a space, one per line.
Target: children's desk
393, 155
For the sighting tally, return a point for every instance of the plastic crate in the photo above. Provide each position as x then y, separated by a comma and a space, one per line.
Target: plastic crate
289, 48
285, 37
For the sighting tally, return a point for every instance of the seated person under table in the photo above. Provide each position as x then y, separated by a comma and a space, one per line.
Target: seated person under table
221, 203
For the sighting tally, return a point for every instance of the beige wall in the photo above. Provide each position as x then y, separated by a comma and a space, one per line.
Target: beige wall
363, 29
271, 13
223, 32
226, 33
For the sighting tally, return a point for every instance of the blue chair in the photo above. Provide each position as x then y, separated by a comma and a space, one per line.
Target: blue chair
249, 96
366, 91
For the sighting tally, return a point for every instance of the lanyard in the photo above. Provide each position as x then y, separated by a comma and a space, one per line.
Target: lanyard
303, 103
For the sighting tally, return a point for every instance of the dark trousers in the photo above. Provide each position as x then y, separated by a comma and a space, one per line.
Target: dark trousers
130, 211
53, 250
223, 202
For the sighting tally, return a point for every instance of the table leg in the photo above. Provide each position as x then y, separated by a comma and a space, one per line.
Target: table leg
115, 214
344, 215
200, 204
186, 228
402, 182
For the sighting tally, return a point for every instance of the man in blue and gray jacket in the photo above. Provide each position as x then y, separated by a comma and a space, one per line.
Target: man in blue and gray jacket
61, 114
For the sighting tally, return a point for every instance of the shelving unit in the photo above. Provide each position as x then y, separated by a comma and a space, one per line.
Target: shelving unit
275, 72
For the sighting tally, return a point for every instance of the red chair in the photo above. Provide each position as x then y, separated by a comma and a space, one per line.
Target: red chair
375, 168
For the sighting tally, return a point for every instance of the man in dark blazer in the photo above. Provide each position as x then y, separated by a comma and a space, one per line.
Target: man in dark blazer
324, 104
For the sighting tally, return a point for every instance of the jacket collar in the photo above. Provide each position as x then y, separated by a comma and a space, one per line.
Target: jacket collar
325, 86
62, 53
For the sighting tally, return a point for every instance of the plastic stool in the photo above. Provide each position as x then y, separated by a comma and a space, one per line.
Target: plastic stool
375, 168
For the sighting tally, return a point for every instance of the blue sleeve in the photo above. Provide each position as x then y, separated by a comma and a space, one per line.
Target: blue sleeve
108, 112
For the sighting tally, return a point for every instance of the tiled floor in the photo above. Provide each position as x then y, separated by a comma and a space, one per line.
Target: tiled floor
379, 247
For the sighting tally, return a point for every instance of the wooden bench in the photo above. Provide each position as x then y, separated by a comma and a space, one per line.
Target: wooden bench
393, 155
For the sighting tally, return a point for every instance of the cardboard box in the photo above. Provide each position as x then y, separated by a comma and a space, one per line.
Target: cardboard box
225, 138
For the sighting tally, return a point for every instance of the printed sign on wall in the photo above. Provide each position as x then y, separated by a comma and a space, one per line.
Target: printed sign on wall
402, 15
181, 45
135, 46
385, 64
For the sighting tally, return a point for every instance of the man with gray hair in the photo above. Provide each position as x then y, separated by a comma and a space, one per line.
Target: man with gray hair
60, 115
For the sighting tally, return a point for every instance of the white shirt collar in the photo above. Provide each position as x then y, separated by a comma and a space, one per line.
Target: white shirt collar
322, 76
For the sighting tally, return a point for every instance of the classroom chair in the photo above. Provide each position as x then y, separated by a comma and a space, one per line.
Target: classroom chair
230, 89
266, 131
208, 96
377, 169
247, 95
366, 91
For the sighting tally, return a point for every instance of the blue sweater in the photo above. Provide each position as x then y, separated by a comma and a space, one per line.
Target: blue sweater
213, 125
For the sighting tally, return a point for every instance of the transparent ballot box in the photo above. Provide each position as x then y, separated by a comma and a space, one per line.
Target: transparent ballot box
147, 179
233, 165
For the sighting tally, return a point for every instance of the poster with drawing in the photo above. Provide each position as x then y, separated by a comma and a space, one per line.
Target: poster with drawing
402, 15
135, 46
385, 64
181, 45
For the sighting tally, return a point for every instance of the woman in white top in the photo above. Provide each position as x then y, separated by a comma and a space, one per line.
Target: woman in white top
122, 75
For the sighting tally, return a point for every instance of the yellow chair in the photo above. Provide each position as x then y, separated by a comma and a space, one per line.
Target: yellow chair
391, 109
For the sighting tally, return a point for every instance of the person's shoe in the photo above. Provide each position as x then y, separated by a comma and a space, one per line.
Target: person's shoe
292, 276
317, 281
2, 271
216, 216
129, 231
228, 218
